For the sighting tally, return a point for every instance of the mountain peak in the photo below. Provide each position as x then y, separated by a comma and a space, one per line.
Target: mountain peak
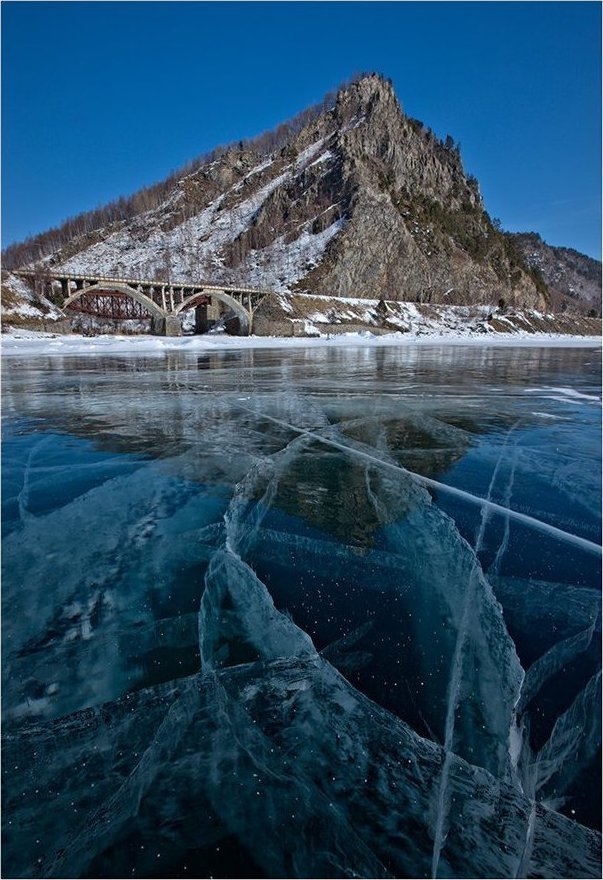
364, 95
352, 198
368, 86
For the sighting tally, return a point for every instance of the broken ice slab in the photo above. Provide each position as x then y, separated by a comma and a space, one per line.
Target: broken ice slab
541, 613
276, 769
415, 440
238, 622
443, 658
49, 681
568, 769
557, 659
556, 628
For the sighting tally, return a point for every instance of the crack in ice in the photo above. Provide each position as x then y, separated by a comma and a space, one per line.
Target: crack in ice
428, 482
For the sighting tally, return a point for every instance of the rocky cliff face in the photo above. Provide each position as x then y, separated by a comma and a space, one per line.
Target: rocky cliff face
564, 270
362, 201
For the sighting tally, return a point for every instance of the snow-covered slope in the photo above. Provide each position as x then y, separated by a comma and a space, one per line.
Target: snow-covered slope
22, 307
198, 247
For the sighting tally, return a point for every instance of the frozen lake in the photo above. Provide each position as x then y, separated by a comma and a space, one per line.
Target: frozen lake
249, 631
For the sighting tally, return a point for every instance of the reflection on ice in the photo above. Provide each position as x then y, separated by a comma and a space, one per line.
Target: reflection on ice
240, 639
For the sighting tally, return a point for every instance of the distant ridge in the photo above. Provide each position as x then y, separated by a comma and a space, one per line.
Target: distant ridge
573, 279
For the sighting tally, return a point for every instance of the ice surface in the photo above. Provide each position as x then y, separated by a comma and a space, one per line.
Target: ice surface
240, 639
541, 614
554, 627
34, 342
285, 760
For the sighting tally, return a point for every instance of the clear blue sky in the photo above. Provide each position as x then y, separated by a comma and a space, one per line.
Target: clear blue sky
100, 99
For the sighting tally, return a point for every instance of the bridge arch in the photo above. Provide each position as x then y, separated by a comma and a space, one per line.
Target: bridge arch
240, 311
110, 287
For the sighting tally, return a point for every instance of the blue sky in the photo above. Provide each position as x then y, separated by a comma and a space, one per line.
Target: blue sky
100, 99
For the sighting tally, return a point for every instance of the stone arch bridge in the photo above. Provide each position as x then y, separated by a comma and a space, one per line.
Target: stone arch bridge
162, 301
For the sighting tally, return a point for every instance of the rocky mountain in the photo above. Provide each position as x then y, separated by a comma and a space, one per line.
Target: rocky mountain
360, 201
566, 272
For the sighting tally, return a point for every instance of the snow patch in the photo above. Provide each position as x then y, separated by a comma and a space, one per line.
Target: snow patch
295, 258
309, 153
325, 157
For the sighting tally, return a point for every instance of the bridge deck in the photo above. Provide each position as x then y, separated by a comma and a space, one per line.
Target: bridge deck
138, 282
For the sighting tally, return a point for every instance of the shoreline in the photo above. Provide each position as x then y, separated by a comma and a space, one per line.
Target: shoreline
34, 343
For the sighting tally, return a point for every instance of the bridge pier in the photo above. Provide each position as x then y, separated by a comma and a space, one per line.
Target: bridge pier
166, 326
201, 319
